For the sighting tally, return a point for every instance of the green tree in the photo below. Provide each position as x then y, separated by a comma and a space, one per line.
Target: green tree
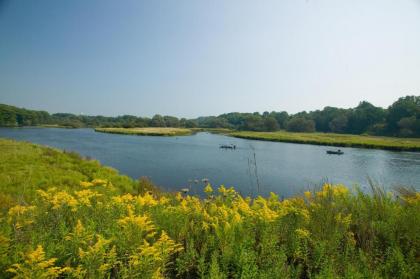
364, 116
270, 124
281, 118
404, 107
171, 121
300, 124
338, 124
253, 122
158, 121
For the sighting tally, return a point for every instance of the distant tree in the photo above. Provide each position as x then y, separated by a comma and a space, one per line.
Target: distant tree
213, 122
253, 122
300, 124
157, 121
364, 116
191, 124
404, 107
338, 124
142, 122
171, 121
281, 118
324, 117
270, 124
409, 126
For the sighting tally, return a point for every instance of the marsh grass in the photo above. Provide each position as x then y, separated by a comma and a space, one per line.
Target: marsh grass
94, 223
345, 140
149, 131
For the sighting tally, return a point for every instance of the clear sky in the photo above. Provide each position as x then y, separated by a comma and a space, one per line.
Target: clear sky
193, 58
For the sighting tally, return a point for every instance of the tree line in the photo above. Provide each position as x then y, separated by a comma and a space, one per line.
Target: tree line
11, 116
402, 118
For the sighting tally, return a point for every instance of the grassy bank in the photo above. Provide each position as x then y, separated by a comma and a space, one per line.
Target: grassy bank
149, 131
66, 216
388, 143
55, 126
27, 167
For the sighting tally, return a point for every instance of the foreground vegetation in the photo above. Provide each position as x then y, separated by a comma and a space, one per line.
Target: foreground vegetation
65, 216
149, 131
389, 143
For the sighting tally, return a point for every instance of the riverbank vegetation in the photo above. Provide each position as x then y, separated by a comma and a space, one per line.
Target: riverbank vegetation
401, 119
364, 141
149, 131
64, 216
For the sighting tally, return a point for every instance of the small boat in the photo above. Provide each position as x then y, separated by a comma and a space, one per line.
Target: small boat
228, 146
338, 152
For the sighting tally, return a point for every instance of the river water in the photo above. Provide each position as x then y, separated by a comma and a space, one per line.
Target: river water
253, 167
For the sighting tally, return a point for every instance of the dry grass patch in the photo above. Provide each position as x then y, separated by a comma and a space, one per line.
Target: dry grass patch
149, 131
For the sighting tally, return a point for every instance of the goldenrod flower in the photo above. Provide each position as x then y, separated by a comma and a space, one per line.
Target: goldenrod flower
84, 196
86, 184
37, 266
208, 189
302, 233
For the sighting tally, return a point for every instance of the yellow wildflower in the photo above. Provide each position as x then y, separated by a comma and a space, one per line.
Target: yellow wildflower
140, 224
413, 199
84, 196
97, 259
345, 220
79, 234
163, 200
124, 199
243, 205
147, 200
222, 190
86, 184
208, 189
37, 266
302, 233
19, 215
333, 191
152, 258
99, 182
97, 248
18, 210
57, 199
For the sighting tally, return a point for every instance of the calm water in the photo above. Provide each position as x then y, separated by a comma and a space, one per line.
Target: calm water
284, 168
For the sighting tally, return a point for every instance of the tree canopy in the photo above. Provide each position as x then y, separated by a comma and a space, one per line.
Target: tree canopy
402, 118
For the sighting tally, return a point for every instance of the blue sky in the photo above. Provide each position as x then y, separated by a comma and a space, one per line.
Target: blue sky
193, 58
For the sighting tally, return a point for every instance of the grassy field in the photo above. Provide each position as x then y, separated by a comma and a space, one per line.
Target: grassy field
64, 216
212, 130
149, 131
389, 143
54, 126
